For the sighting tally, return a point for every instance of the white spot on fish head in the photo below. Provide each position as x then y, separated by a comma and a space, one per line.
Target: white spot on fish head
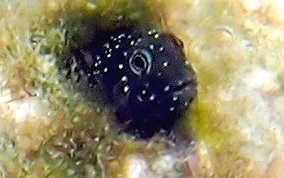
139, 98
151, 32
165, 64
97, 57
175, 98
139, 40
121, 36
95, 72
126, 89
120, 66
187, 63
186, 104
144, 92
161, 49
180, 82
124, 79
167, 88
152, 97
106, 45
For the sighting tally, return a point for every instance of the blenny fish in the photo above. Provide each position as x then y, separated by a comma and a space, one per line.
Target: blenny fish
144, 75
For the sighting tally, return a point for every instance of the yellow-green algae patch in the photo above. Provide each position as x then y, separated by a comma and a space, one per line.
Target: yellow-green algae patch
232, 42
209, 39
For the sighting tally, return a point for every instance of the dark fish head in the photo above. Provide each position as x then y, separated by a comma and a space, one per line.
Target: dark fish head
156, 85
145, 75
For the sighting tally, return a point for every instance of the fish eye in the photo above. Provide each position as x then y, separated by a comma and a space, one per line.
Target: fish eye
140, 61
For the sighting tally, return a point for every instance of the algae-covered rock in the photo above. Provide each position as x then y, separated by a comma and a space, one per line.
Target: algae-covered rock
49, 129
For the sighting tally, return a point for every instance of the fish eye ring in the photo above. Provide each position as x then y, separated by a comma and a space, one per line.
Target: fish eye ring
140, 61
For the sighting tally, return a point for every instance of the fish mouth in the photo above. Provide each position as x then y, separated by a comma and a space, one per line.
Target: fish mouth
184, 93
187, 85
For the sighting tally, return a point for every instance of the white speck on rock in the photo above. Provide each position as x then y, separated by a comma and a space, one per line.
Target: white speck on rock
138, 167
261, 78
251, 5
27, 108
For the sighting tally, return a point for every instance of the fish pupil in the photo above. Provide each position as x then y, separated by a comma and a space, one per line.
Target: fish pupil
139, 62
